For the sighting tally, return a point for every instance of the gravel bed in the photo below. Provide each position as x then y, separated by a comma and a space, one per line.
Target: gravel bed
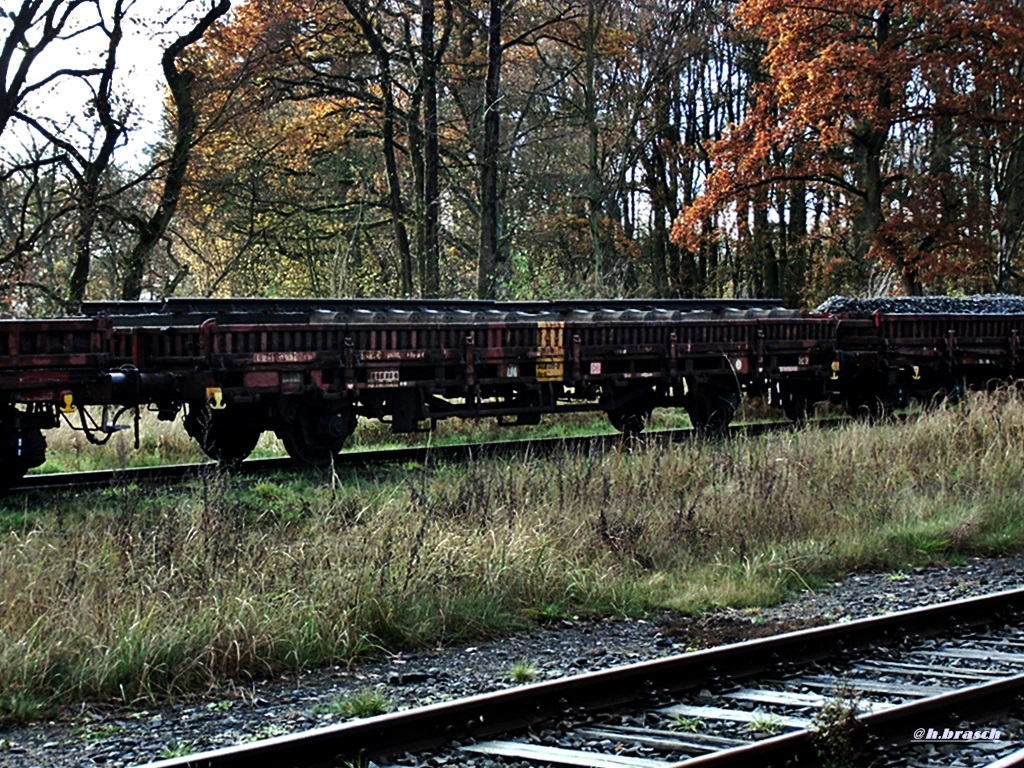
986, 304
124, 736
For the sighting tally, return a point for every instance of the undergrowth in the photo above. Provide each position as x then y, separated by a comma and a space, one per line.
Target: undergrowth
142, 594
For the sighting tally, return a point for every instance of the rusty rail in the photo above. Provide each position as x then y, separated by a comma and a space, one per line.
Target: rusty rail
491, 714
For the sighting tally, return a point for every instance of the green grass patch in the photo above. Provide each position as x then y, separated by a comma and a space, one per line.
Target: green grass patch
523, 671
366, 702
177, 748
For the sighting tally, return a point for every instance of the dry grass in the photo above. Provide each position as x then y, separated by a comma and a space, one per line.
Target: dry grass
151, 594
162, 442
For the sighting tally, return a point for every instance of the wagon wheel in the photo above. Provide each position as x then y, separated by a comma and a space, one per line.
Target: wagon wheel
711, 409
874, 405
20, 450
227, 436
630, 409
314, 434
630, 421
796, 407
950, 393
867, 407
955, 391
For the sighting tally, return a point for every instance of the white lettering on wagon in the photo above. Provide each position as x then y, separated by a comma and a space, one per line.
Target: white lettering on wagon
283, 357
393, 354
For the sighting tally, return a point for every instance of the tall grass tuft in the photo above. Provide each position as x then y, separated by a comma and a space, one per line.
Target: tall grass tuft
149, 594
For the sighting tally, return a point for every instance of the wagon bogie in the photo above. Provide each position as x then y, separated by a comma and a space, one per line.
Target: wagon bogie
22, 445
711, 405
225, 435
314, 431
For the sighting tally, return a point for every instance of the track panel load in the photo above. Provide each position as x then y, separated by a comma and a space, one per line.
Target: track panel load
309, 369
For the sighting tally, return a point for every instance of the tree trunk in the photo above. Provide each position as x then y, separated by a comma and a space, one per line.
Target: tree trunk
180, 83
430, 282
766, 266
93, 170
1011, 223
491, 268
397, 204
796, 246
594, 197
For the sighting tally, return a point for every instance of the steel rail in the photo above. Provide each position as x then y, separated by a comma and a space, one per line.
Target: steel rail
491, 714
886, 729
361, 458
199, 306
1014, 760
357, 458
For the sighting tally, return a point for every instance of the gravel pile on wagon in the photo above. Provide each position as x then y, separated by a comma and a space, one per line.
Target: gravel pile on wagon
987, 304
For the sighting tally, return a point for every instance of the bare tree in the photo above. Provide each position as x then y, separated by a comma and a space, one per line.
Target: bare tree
89, 170
32, 29
34, 33
73, 149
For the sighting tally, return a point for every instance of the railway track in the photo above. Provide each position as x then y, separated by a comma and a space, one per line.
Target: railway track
416, 454
886, 687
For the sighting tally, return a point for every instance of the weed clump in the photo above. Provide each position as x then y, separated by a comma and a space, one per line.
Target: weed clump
523, 671
366, 702
835, 729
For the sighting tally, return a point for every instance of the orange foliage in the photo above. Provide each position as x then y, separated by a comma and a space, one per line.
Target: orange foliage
894, 88
269, 168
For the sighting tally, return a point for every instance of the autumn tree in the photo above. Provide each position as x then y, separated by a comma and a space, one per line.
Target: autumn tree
262, 206
560, 147
869, 107
633, 94
312, 89
595, 57
567, 180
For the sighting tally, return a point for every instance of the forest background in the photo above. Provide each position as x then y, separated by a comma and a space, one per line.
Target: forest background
526, 149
